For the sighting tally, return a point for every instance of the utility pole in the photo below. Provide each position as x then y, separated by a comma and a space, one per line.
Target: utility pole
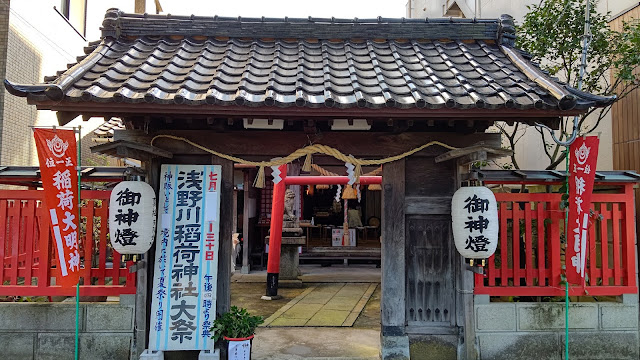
140, 7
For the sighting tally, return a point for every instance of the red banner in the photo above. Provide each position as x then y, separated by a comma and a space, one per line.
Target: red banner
58, 160
583, 157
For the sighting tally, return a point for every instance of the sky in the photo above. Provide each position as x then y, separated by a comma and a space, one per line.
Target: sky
281, 8
252, 8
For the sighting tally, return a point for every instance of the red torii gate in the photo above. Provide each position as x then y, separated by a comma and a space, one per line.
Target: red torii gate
277, 212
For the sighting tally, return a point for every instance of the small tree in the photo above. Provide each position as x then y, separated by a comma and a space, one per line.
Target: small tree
552, 33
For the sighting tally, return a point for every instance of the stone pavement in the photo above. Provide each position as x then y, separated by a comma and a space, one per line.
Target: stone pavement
336, 315
336, 304
316, 343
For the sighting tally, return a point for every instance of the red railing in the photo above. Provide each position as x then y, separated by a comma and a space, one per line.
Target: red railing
529, 259
28, 264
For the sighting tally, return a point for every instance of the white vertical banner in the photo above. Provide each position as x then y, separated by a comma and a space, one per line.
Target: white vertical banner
186, 267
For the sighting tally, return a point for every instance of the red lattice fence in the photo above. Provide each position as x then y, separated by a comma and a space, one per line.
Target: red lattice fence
28, 264
529, 258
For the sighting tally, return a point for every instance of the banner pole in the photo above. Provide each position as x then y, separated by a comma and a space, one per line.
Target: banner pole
79, 169
566, 240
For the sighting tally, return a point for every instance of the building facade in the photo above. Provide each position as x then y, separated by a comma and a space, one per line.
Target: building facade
36, 44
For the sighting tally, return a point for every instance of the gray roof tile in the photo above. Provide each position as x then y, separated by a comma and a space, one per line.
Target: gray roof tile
309, 62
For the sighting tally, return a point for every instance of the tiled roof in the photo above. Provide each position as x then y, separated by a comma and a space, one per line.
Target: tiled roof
432, 64
106, 129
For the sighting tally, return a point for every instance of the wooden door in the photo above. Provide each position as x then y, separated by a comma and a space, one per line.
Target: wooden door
429, 251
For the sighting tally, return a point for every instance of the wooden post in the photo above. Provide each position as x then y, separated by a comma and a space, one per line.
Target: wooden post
223, 301
464, 302
275, 235
144, 275
234, 227
393, 249
246, 243
140, 7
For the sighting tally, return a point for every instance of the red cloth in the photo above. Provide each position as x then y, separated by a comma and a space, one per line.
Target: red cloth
58, 170
583, 157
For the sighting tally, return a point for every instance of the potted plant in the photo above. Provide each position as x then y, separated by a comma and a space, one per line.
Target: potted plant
236, 328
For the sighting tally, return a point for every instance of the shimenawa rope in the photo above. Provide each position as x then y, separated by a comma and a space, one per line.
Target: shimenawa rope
306, 151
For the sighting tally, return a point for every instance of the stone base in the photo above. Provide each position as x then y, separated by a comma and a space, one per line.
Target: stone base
394, 348
434, 347
297, 283
296, 231
152, 355
289, 261
293, 240
209, 355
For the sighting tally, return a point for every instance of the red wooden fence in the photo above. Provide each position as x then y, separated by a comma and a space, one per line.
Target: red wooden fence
529, 260
28, 264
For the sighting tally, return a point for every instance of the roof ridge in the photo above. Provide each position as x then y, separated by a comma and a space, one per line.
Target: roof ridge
118, 23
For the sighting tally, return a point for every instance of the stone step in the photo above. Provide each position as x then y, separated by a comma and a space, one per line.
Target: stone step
346, 252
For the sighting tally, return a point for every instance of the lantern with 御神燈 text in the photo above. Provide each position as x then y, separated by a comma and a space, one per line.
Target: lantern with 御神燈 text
474, 213
132, 217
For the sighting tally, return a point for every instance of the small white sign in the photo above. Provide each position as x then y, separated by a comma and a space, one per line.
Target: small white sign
337, 238
239, 350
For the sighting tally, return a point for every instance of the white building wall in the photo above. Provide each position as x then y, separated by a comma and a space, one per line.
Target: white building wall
40, 43
488, 9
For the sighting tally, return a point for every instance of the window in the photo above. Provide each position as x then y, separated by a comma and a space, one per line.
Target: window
75, 13
64, 7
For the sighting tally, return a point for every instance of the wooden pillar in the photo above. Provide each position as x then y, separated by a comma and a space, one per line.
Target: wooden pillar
246, 245
393, 249
140, 7
234, 227
223, 301
464, 309
144, 275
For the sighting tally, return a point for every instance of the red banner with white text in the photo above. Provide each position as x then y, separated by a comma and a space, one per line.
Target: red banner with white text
58, 161
583, 157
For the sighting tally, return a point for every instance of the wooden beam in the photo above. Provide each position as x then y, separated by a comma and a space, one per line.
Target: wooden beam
135, 150
479, 148
126, 109
280, 143
427, 205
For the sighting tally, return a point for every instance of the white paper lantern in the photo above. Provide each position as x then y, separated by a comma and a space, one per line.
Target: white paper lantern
132, 217
474, 213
